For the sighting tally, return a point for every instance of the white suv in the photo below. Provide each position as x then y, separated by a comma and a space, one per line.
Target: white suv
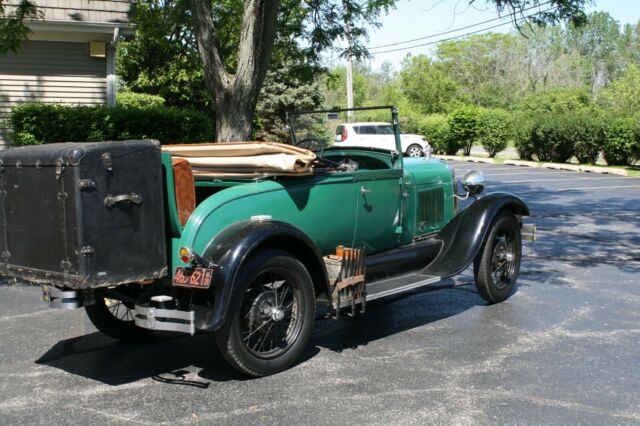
378, 135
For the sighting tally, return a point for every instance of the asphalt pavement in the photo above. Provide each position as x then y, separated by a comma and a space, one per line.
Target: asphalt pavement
564, 349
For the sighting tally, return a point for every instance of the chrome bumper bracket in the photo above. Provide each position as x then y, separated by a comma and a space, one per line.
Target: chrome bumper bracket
165, 319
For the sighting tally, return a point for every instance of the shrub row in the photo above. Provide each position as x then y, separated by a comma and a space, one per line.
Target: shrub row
40, 123
543, 136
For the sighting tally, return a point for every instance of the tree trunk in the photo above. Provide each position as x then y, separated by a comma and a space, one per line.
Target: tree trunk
236, 95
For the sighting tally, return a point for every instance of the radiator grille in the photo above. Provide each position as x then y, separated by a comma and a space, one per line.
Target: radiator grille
430, 209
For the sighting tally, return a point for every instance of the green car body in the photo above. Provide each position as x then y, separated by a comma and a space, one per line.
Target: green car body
332, 209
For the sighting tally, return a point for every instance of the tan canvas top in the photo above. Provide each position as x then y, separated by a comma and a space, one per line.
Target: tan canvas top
244, 159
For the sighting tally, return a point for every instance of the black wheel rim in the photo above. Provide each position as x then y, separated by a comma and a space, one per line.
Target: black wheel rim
504, 261
119, 310
271, 314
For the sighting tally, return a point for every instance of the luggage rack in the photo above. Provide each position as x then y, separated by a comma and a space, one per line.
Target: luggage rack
346, 271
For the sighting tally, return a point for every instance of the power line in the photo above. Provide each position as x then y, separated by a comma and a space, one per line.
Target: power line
458, 36
462, 28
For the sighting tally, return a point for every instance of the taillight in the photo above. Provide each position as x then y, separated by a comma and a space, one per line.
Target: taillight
344, 134
186, 255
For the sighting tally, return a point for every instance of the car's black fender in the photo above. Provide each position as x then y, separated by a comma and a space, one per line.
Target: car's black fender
231, 248
464, 235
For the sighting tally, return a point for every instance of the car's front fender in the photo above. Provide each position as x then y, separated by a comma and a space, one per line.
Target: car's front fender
464, 235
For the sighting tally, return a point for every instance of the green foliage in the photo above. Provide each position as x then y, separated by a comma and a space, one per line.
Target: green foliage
558, 137
427, 85
138, 100
623, 95
435, 128
588, 134
162, 59
494, 130
13, 29
463, 122
622, 141
548, 138
522, 131
281, 94
42, 123
556, 101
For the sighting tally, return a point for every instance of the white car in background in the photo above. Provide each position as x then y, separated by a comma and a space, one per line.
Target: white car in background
378, 135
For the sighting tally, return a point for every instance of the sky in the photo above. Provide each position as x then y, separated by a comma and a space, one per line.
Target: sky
419, 18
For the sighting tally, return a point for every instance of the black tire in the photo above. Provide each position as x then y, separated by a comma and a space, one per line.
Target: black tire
266, 277
497, 265
115, 319
414, 151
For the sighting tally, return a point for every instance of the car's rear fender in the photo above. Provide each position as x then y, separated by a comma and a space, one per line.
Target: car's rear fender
233, 246
464, 235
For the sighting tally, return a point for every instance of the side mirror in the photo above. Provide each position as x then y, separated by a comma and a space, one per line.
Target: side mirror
473, 182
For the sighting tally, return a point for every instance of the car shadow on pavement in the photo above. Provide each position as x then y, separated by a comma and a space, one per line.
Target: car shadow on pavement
170, 358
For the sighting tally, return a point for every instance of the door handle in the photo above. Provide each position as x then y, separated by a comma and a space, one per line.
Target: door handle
364, 190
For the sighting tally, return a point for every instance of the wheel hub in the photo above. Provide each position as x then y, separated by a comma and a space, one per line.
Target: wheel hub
277, 314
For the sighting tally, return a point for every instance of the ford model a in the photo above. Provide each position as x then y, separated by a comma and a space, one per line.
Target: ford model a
246, 240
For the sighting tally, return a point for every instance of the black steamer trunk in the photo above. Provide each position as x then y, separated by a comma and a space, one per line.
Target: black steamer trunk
83, 215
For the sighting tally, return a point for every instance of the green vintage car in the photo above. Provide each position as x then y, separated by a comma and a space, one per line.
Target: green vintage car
249, 241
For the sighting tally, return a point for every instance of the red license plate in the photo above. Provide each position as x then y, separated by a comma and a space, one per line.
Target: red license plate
193, 277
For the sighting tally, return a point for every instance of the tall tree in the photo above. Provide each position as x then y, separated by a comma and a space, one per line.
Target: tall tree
236, 87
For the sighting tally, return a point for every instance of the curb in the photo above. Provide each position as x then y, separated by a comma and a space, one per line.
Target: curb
469, 159
534, 164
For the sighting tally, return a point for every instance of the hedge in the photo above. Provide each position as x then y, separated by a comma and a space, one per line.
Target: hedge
138, 100
41, 123
622, 141
463, 123
435, 128
495, 129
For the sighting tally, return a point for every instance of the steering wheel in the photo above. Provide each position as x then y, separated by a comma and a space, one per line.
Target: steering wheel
312, 144
317, 146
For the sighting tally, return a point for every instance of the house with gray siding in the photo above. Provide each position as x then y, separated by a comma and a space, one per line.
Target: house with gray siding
69, 57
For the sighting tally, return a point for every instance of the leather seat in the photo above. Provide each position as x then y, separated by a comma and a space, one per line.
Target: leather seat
184, 187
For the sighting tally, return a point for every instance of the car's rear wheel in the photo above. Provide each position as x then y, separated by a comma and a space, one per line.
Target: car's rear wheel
271, 322
496, 268
114, 317
414, 150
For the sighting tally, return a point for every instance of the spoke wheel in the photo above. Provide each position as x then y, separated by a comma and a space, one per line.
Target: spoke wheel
414, 151
270, 315
496, 267
269, 323
114, 317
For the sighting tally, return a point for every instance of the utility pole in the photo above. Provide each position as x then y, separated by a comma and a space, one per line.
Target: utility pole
347, 24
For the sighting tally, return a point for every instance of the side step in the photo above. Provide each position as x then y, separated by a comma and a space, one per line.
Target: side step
397, 285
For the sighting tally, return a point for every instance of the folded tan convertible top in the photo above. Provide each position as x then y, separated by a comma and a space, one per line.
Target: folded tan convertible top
244, 159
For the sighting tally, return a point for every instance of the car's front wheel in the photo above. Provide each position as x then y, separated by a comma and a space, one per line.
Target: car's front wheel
271, 322
496, 267
414, 150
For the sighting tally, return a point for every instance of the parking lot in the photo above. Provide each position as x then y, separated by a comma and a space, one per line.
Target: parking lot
565, 348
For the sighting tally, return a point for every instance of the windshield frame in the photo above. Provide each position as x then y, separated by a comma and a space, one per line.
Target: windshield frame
393, 110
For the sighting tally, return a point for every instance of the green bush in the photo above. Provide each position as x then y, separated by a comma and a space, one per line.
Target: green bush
463, 122
622, 138
521, 133
549, 138
558, 137
588, 133
138, 100
436, 129
41, 123
494, 130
